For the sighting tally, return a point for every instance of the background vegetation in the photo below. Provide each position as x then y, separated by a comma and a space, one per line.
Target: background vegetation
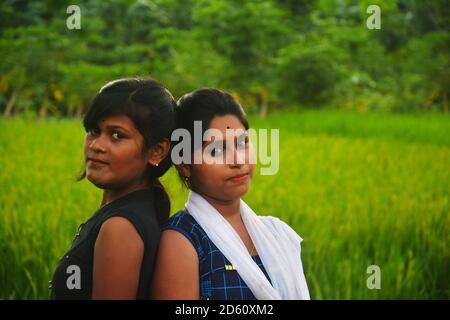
361, 189
363, 118
270, 53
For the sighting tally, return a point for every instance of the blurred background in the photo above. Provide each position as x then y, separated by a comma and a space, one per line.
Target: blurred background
363, 116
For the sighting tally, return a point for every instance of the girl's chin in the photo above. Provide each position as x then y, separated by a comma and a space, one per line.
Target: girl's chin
238, 191
99, 183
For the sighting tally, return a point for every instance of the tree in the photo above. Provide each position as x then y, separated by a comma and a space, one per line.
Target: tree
249, 34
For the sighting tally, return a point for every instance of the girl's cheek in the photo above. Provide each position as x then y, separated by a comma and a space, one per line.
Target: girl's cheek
251, 156
211, 174
86, 144
252, 170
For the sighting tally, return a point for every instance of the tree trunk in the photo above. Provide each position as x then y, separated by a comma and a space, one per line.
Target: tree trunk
43, 109
263, 104
79, 111
446, 101
10, 105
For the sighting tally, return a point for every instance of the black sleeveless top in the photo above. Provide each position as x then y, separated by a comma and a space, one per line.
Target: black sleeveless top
74, 274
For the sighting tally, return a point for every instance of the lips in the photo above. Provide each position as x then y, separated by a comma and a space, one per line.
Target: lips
97, 161
240, 177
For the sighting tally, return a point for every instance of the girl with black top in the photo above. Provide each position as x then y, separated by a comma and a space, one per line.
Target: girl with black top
126, 149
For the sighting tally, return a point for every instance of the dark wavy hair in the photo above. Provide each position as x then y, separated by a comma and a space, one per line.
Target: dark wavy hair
151, 107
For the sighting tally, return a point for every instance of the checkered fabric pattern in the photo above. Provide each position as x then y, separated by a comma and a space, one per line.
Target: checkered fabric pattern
218, 278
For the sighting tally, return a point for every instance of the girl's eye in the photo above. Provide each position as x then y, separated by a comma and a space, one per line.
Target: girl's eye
117, 135
242, 143
216, 152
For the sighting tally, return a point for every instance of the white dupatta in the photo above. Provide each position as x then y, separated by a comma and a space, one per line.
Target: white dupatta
277, 244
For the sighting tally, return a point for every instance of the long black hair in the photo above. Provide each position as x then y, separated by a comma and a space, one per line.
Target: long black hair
151, 107
204, 105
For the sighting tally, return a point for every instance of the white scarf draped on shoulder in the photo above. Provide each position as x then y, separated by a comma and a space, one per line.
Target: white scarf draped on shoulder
277, 244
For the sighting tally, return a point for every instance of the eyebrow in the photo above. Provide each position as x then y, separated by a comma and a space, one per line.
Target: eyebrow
117, 127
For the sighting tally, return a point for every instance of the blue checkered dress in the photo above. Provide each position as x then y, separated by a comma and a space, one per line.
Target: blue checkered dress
216, 282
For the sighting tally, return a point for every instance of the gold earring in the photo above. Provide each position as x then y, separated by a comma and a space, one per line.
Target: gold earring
157, 164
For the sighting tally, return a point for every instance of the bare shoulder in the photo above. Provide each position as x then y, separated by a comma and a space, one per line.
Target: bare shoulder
119, 230
175, 239
174, 245
118, 256
176, 273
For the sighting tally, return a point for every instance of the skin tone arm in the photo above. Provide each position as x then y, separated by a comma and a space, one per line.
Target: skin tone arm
117, 260
176, 272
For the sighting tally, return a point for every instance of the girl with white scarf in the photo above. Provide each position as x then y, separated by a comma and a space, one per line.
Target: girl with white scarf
217, 247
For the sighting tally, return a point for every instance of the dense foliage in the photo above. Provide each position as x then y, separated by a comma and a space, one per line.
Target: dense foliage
269, 53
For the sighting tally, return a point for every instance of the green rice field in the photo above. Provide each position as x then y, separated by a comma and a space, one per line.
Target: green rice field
360, 188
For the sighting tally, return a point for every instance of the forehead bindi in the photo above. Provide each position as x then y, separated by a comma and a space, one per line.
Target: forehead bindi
224, 127
223, 123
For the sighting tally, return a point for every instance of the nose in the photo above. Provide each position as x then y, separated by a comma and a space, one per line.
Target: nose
238, 158
97, 144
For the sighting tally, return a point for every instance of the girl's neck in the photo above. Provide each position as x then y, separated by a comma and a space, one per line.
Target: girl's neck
109, 195
229, 209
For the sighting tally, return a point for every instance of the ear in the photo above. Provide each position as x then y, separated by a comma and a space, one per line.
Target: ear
184, 170
158, 152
